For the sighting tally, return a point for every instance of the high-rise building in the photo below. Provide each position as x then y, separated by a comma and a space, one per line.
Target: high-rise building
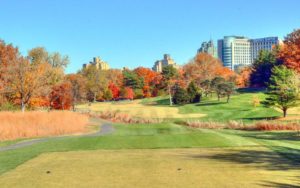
237, 51
98, 63
209, 47
167, 60
262, 44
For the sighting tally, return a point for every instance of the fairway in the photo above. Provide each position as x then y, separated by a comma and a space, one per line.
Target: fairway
136, 109
237, 167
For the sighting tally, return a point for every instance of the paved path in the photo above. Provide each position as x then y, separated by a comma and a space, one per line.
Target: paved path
104, 129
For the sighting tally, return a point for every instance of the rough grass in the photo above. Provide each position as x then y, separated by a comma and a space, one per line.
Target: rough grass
18, 125
239, 167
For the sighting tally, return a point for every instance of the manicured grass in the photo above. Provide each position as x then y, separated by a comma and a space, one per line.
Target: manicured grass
239, 167
239, 108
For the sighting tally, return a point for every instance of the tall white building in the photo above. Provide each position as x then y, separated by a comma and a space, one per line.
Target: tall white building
237, 51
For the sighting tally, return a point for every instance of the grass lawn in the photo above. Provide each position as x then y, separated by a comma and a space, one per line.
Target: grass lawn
150, 155
210, 109
165, 154
239, 167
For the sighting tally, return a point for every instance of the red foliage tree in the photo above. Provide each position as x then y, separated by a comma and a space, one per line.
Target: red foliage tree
130, 93
114, 89
61, 96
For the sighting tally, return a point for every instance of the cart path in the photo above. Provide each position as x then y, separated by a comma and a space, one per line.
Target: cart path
105, 128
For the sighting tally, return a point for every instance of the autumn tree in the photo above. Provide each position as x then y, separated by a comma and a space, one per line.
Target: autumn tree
148, 78
25, 80
205, 67
96, 82
243, 77
38, 55
58, 61
290, 51
78, 88
61, 96
283, 89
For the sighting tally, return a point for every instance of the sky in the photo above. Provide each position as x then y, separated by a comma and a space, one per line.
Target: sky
132, 33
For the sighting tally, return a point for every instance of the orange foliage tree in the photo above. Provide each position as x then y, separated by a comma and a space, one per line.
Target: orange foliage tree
289, 52
243, 77
148, 77
206, 67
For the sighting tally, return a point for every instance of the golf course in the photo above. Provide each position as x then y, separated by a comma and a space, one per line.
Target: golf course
166, 154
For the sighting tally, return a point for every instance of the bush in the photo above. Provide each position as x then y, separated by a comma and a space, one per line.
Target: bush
9, 107
194, 92
181, 96
138, 94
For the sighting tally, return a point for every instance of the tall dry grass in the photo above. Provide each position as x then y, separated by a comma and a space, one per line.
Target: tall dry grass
15, 125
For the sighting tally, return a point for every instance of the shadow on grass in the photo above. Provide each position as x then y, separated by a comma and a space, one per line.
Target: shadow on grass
281, 185
285, 159
280, 136
261, 118
211, 103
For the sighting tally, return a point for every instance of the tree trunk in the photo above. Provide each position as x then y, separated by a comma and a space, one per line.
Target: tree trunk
284, 112
170, 96
228, 98
23, 107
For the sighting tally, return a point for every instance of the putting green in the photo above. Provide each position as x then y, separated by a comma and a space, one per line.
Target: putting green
237, 167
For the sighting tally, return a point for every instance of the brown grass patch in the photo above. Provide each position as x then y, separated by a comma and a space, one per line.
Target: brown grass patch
118, 117
16, 125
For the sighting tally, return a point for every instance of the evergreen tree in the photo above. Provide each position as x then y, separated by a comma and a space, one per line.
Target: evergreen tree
283, 89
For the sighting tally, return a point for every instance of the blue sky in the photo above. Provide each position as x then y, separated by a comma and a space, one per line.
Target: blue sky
135, 33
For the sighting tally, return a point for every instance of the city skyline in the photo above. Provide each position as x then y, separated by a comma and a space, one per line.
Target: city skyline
134, 33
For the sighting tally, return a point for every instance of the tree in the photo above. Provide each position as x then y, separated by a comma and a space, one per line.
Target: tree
115, 90
57, 60
289, 52
225, 89
194, 92
24, 80
108, 95
132, 80
181, 96
214, 85
262, 68
205, 67
149, 79
78, 88
243, 77
61, 96
283, 89
38, 55
169, 74
97, 82
206, 87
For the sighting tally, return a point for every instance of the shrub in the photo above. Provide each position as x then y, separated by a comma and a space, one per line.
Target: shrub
138, 94
181, 96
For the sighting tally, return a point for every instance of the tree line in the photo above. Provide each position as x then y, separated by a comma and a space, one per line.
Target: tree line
37, 80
